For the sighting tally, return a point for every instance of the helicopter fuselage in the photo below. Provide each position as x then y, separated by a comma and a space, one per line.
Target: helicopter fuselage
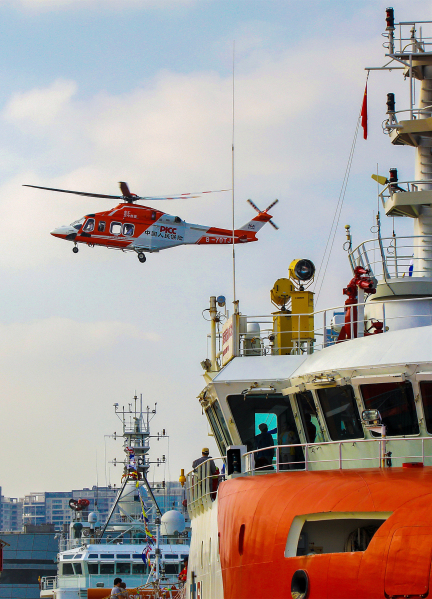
133, 227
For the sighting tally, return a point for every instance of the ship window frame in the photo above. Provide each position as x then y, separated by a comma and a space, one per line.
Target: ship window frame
330, 422
410, 398
78, 570
217, 428
319, 435
427, 418
139, 566
93, 564
104, 564
119, 568
63, 573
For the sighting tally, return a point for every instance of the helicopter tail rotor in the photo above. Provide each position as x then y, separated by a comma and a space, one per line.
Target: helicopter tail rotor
255, 207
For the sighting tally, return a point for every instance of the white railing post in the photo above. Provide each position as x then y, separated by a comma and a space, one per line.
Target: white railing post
423, 453
340, 456
325, 329
306, 457
277, 458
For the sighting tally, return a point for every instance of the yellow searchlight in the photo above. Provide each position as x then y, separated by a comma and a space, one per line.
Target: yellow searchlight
293, 324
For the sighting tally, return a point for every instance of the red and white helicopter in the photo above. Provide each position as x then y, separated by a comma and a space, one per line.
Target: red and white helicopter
134, 227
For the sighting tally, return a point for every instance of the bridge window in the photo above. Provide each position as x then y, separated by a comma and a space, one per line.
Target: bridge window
171, 569
341, 413
89, 226
93, 568
219, 427
426, 393
67, 570
123, 568
77, 568
395, 403
107, 568
249, 411
115, 228
138, 568
309, 417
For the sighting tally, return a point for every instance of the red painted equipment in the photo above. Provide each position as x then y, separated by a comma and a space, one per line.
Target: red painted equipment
360, 280
78, 504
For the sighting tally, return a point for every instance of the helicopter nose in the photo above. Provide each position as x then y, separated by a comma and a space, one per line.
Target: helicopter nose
65, 232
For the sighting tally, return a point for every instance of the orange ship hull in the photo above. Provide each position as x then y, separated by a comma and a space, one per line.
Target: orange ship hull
397, 562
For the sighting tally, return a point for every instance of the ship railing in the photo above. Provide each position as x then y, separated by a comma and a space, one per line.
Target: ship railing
365, 318
383, 452
202, 484
48, 583
115, 538
408, 43
393, 257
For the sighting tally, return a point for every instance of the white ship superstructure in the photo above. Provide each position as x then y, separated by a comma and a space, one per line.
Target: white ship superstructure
137, 543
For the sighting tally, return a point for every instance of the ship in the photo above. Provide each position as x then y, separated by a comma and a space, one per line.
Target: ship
323, 419
137, 543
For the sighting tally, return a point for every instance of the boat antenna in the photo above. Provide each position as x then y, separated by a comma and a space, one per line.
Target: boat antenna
232, 182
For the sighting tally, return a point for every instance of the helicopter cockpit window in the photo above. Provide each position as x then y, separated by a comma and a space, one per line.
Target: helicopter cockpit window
341, 413
128, 229
89, 226
115, 228
395, 403
101, 226
77, 224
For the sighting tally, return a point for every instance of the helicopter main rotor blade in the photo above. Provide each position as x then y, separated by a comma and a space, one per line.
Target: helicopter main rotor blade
80, 193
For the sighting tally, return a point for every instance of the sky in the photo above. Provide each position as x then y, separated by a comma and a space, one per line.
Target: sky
93, 92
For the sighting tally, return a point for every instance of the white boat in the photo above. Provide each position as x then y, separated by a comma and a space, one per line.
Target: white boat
137, 543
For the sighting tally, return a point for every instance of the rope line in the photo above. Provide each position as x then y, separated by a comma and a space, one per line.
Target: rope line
338, 209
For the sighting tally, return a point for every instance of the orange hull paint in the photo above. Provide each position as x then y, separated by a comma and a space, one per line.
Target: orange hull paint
396, 563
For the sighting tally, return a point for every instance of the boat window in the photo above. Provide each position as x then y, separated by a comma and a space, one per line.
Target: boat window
395, 403
123, 568
77, 224
171, 556
78, 556
138, 568
67, 556
151, 556
107, 556
309, 417
171, 569
93, 568
67, 570
215, 430
222, 422
333, 532
93, 555
128, 229
249, 411
123, 556
77, 568
341, 413
89, 226
107, 568
101, 226
115, 228
426, 393
137, 556
184, 556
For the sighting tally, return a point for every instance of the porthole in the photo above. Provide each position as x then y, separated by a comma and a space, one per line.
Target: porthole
241, 539
299, 585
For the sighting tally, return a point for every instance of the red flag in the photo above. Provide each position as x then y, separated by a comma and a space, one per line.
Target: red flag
364, 115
